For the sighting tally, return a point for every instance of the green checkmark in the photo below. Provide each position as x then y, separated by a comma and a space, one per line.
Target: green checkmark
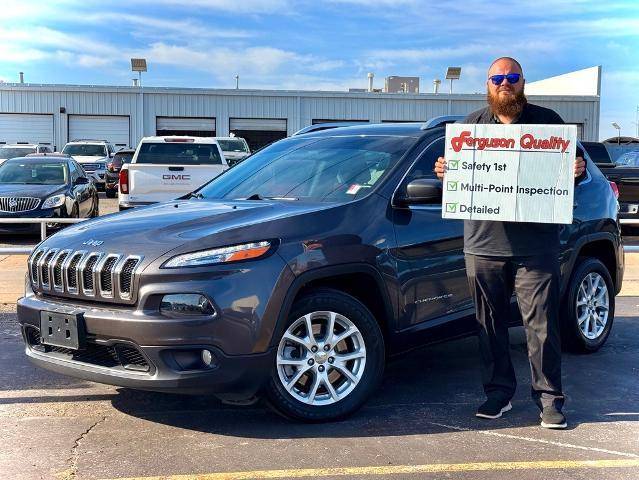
453, 164
452, 186
451, 207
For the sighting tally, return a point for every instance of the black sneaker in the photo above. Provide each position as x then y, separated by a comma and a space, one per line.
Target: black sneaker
551, 417
493, 408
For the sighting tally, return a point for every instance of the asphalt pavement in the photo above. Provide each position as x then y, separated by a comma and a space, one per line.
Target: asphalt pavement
420, 424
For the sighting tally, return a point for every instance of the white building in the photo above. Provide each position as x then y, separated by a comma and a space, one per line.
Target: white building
55, 114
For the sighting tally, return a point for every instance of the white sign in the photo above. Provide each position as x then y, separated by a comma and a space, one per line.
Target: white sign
510, 173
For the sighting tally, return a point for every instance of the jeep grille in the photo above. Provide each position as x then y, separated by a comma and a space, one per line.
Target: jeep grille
103, 276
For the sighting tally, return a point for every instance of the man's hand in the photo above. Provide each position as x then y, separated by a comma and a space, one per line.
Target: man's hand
440, 167
580, 166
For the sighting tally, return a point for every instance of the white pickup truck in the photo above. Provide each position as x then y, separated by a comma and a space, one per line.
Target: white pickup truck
165, 168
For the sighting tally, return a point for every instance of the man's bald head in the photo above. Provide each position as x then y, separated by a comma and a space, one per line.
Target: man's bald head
504, 61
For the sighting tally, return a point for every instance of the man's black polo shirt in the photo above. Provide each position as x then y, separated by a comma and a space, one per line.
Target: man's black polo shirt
510, 239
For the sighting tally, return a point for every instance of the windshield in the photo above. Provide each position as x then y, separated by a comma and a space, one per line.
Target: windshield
121, 158
13, 152
312, 169
179, 154
84, 150
34, 173
236, 145
628, 159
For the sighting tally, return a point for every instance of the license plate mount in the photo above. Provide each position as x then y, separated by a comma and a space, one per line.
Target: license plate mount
64, 330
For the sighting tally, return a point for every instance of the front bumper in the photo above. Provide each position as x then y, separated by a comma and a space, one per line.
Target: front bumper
629, 210
163, 363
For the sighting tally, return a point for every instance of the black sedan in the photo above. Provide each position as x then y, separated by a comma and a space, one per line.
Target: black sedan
44, 187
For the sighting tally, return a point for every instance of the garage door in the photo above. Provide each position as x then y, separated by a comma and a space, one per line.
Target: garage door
20, 127
197, 127
258, 132
258, 124
114, 129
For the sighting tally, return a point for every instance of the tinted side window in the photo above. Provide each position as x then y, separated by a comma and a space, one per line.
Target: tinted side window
75, 173
425, 164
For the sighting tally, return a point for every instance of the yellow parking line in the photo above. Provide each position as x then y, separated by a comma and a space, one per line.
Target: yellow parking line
399, 469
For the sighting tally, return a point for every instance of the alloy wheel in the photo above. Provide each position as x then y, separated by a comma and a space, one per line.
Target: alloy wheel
321, 358
593, 305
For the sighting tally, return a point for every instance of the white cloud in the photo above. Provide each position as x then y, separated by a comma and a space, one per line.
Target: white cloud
241, 6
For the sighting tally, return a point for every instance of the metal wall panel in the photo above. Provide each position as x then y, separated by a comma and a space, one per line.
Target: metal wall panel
299, 108
186, 123
258, 124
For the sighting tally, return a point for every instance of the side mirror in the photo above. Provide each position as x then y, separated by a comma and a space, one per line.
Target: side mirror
81, 181
422, 191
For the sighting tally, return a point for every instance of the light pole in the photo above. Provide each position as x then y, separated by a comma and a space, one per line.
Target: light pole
453, 73
139, 65
616, 125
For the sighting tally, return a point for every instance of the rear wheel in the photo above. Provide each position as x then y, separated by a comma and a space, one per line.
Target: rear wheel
588, 309
329, 359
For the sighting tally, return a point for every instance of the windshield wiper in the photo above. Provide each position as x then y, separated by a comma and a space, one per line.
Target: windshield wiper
257, 196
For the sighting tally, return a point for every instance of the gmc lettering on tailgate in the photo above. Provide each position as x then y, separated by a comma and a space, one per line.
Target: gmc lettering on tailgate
172, 176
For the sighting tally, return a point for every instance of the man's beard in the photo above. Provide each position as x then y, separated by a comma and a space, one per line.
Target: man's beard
510, 106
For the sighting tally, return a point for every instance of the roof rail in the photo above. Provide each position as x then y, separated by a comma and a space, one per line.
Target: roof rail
89, 140
442, 120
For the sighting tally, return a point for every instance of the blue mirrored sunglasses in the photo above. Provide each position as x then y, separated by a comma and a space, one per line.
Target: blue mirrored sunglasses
511, 78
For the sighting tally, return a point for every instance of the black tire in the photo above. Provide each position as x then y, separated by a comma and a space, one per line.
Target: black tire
111, 193
326, 299
573, 339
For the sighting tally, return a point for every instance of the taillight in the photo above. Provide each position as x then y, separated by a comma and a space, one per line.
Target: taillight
615, 189
124, 181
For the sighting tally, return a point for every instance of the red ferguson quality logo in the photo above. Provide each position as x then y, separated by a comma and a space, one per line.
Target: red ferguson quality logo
526, 142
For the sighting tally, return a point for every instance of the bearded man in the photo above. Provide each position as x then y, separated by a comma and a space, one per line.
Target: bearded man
506, 257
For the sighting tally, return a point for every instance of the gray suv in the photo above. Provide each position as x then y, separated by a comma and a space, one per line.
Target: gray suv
293, 275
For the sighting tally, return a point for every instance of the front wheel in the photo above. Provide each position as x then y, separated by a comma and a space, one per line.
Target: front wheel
588, 308
329, 359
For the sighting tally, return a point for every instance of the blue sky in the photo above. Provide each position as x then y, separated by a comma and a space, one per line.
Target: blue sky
327, 45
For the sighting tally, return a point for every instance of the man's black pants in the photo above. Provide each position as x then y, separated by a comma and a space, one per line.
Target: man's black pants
535, 281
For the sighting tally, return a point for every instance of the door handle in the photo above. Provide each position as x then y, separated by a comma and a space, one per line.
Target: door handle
176, 169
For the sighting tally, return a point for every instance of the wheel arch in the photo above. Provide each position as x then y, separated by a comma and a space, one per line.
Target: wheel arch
602, 246
362, 281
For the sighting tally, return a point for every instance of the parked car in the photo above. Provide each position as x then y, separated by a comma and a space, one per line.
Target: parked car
164, 168
12, 150
294, 274
235, 149
44, 186
93, 155
113, 168
624, 175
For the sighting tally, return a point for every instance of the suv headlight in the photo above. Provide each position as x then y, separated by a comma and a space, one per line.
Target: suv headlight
54, 201
214, 256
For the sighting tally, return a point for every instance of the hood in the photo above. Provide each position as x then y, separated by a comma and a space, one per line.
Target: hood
157, 229
235, 155
37, 191
86, 159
